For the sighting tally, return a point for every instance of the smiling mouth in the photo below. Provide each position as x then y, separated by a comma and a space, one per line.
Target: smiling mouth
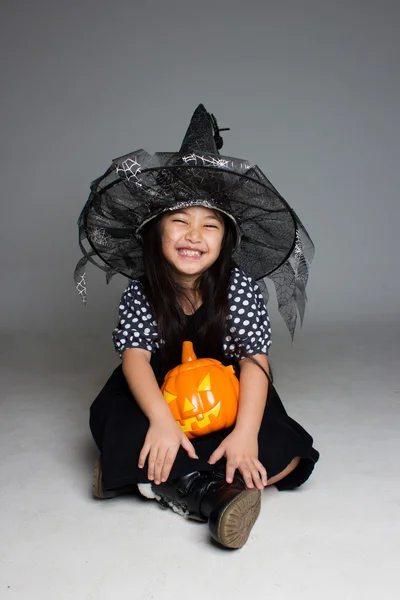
190, 253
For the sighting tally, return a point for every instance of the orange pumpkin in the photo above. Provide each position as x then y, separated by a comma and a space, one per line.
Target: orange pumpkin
202, 393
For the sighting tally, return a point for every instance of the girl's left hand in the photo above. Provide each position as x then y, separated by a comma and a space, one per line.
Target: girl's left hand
241, 452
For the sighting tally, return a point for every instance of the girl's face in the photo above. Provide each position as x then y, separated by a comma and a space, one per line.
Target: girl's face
191, 240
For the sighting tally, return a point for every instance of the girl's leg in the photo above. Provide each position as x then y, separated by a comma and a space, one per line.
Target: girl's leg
285, 447
291, 467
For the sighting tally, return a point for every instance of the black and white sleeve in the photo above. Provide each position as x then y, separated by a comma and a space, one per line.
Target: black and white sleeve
248, 330
136, 327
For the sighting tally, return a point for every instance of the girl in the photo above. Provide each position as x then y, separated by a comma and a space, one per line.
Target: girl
181, 227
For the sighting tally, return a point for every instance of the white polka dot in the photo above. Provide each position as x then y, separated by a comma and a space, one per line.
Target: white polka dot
245, 302
233, 308
241, 311
241, 331
246, 322
236, 320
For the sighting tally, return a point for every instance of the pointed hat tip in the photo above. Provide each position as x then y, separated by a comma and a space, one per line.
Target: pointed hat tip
201, 107
200, 133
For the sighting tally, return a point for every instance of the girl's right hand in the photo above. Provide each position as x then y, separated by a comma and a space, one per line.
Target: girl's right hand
161, 445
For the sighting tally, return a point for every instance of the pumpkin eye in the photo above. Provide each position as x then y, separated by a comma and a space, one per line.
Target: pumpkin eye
205, 385
168, 396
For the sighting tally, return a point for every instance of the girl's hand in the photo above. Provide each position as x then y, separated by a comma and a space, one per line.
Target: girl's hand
241, 452
161, 445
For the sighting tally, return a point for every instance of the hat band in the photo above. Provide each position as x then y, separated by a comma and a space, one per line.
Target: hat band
187, 204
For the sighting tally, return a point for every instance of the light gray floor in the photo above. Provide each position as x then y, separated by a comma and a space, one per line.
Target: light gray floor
337, 537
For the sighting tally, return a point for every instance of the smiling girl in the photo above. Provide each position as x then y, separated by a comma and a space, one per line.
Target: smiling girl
198, 219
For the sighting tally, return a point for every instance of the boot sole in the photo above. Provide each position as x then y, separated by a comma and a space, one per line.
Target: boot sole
98, 483
236, 519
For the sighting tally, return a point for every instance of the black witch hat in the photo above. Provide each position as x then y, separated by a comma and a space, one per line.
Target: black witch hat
137, 187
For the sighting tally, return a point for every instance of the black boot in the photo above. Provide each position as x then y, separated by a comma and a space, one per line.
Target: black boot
231, 509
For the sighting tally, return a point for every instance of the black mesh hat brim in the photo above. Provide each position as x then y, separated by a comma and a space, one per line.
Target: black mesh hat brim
113, 216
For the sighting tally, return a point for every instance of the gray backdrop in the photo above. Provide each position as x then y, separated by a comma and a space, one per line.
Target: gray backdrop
311, 92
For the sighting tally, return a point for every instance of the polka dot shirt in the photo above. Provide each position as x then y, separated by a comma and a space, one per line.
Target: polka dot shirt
248, 329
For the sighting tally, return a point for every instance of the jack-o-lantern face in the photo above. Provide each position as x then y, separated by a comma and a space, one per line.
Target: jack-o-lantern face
202, 393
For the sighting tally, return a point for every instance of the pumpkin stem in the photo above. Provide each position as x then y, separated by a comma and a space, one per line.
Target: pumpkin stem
188, 352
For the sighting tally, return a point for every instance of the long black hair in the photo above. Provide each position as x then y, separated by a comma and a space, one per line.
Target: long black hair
164, 293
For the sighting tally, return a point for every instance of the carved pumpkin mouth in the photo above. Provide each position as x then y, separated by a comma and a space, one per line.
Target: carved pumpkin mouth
200, 421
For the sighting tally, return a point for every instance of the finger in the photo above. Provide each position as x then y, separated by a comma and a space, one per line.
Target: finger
188, 446
151, 463
230, 470
256, 478
246, 474
216, 455
263, 472
168, 462
159, 464
143, 455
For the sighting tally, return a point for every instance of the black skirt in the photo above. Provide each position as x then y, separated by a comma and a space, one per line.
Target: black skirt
119, 429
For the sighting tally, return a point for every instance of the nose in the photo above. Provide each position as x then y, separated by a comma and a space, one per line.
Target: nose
193, 234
